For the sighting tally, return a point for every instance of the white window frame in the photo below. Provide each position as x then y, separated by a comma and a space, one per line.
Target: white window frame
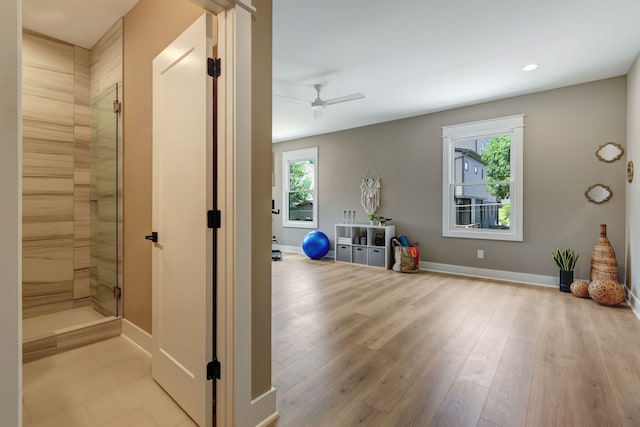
296, 156
512, 126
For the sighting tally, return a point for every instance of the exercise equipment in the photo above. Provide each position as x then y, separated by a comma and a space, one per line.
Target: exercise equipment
315, 244
276, 254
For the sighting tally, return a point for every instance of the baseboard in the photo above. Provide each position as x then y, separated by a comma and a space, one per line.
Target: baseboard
138, 336
264, 408
633, 302
298, 250
485, 273
270, 420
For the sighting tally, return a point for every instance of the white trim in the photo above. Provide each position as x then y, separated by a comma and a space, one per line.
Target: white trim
481, 127
298, 250
243, 229
299, 155
633, 302
137, 335
268, 421
219, 6
241, 409
512, 125
264, 408
485, 273
225, 388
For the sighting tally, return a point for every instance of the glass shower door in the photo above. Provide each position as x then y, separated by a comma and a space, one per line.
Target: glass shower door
105, 218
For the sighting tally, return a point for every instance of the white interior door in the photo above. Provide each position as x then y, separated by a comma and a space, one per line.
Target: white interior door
182, 194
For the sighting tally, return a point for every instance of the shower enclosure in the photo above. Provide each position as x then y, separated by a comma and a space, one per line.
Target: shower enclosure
72, 192
91, 313
106, 202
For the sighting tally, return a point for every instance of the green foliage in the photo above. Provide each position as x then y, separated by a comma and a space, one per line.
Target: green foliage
300, 174
504, 215
497, 159
565, 259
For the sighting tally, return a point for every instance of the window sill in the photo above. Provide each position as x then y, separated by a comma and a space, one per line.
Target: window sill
301, 224
511, 236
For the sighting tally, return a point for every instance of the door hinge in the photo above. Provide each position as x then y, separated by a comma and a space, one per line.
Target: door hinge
214, 68
213, 369
117, 106
117, 292
213, 219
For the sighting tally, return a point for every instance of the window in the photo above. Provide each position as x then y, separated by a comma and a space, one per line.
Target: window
489, 205
300, 190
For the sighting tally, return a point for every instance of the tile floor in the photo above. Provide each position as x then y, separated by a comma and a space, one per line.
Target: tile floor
103, 384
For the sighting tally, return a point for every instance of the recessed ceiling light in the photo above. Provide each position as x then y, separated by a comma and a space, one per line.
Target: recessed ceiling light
530, 67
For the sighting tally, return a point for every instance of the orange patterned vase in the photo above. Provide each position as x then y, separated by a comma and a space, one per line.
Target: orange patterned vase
604, 265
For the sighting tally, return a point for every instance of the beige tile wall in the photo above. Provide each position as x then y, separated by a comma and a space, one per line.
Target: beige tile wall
58, 83
48, 175
82, 161
106, 61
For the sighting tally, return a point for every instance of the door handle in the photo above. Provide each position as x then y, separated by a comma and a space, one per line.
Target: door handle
153, 237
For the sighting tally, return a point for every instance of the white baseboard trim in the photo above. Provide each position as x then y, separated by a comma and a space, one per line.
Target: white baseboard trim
485, 273
264, 408
633, 302
298, 250
138, 336
270, 420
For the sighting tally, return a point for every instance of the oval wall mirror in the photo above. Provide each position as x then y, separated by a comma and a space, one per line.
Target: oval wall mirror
598, 193
609, 152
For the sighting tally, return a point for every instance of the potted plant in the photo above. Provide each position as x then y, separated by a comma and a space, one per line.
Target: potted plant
565, 260
373, 219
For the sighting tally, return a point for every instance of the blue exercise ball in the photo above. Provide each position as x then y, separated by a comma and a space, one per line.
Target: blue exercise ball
315, 244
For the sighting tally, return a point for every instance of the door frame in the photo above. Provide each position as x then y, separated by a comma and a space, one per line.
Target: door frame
235, 405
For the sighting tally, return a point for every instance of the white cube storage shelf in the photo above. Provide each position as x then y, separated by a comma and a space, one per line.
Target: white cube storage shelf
356, 243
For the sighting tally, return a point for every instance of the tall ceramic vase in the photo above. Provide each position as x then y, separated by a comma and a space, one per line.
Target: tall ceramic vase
604, 265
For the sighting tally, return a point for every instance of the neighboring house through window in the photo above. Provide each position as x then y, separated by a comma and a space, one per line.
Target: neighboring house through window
486, 205
300, 188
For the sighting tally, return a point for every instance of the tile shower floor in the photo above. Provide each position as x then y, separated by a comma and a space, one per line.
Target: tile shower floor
103, 384
46, 324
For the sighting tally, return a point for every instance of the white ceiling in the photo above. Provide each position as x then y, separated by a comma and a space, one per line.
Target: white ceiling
411, 57
79, 22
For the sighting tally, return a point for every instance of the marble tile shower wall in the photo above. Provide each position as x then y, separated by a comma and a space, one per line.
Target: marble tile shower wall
58, 79
56, 119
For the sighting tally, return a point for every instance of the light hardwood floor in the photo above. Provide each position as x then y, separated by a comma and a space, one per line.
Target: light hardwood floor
363, 346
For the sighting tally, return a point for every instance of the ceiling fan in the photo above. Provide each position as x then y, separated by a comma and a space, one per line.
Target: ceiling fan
319, 104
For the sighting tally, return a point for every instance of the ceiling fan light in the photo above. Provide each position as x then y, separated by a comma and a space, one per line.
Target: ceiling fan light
317, 107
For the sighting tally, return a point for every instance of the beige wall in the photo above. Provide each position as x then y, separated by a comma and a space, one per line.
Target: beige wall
633, 189
55, 95
261, 195
10, 215
148, 28
563, 129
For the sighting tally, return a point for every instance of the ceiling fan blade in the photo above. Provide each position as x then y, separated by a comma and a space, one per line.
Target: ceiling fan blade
346, 98
289, 98
317, 114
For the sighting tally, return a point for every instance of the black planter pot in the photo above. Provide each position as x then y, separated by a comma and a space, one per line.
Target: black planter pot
566, 278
